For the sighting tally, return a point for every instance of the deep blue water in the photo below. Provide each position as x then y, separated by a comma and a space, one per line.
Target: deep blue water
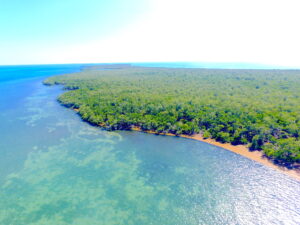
56, 169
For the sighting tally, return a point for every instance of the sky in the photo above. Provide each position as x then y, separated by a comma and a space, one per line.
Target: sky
102, 31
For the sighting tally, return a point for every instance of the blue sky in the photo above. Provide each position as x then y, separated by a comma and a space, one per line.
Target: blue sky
34, 21
95, 31
31, 26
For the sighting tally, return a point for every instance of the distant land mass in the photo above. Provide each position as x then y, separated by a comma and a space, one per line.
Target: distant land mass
214, 65
256, 108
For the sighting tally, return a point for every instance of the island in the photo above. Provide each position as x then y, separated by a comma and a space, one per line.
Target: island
257, 109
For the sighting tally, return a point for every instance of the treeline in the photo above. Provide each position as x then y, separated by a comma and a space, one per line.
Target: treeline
260, 108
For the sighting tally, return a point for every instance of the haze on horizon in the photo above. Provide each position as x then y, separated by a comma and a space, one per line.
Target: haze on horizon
91, 31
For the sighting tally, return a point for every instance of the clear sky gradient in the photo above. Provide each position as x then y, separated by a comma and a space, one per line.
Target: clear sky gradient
100, 31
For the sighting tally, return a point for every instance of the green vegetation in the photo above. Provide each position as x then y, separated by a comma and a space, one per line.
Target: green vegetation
256, 107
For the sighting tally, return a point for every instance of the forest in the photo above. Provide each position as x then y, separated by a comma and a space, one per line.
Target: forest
258, 108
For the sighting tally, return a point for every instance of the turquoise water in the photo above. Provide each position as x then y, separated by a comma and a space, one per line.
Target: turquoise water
56, 169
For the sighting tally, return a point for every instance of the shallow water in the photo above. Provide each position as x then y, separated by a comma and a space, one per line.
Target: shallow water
56, 169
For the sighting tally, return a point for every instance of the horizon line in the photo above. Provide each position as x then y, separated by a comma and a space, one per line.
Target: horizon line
259, 65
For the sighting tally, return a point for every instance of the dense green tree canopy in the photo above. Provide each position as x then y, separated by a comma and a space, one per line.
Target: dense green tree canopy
256, 107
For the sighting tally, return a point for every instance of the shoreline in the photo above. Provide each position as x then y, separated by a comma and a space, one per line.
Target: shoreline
242, 150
